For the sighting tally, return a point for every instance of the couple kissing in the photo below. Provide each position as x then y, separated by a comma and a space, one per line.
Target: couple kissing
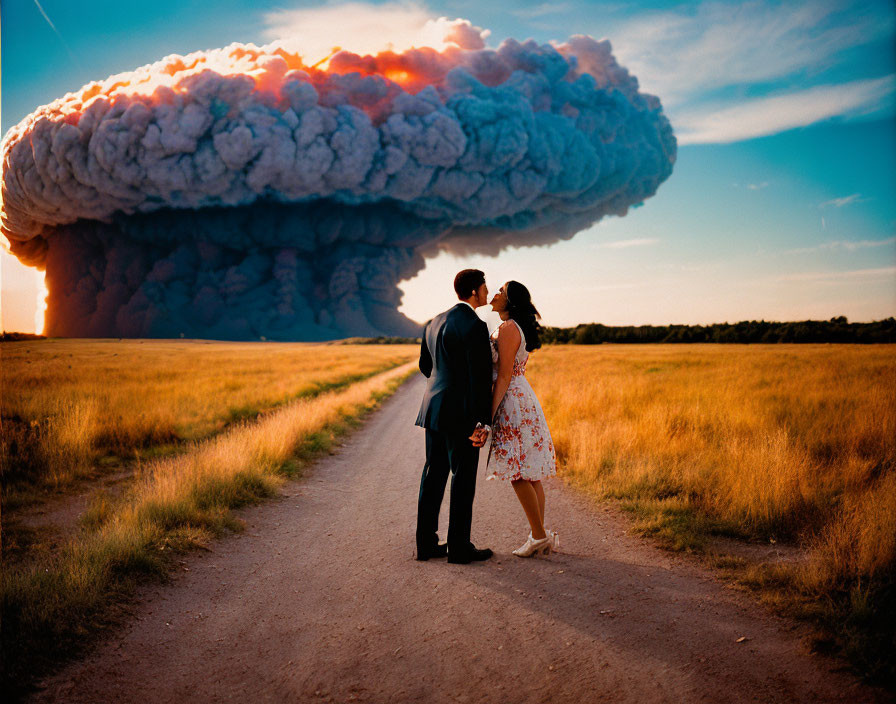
476, 390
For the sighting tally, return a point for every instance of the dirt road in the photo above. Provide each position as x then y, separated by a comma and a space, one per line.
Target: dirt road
320, 599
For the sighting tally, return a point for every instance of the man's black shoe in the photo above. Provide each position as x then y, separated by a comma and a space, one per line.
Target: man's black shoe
440, 550
469, 556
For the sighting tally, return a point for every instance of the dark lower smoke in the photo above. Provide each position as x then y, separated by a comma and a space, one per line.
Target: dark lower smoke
283, 272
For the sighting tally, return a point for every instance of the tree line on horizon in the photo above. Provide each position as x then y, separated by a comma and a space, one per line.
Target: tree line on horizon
837, 329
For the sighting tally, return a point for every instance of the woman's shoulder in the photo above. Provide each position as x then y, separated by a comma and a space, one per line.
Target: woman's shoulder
509, 337
508, 327
516, 327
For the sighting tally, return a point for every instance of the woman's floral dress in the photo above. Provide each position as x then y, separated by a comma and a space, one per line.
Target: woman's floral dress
521, 442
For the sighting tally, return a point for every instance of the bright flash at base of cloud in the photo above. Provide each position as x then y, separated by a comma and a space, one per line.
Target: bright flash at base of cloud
40, 313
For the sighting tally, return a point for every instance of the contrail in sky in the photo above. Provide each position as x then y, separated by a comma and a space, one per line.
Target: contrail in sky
53, 26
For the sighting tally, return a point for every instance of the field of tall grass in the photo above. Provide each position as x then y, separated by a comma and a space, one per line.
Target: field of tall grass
787, 443
68, 404
51, 601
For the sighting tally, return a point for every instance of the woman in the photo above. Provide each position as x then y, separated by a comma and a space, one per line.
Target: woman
522, 450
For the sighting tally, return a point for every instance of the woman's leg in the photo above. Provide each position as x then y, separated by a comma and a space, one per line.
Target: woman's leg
525, 492
539, 492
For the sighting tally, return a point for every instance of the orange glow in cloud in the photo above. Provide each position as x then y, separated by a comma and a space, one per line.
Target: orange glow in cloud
399, 77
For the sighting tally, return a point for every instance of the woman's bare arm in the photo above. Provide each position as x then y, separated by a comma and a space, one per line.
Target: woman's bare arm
508, 344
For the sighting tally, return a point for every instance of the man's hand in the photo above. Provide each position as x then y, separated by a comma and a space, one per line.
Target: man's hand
479, 437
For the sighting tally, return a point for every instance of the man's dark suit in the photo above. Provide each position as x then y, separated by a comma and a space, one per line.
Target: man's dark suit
456, 356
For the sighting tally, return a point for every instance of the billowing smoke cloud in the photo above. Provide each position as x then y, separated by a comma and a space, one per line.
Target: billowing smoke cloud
238, 193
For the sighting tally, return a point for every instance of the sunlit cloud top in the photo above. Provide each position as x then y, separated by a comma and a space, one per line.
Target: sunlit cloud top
361, 28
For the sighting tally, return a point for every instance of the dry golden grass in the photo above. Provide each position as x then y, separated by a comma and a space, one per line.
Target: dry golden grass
174, 491
772, 442
67, 402
174, 504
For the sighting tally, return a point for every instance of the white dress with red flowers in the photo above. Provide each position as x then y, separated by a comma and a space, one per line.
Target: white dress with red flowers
521, 442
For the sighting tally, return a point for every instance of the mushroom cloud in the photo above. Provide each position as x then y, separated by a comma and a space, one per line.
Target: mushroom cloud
240, 194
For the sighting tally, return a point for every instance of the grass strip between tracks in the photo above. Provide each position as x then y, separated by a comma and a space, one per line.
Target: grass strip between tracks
174, 505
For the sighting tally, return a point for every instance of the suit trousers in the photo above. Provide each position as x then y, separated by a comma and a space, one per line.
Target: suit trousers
454, 453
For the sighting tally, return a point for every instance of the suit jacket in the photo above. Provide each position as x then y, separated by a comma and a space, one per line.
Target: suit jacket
456, 356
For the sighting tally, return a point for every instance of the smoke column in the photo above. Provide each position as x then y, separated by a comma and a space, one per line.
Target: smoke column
238, 193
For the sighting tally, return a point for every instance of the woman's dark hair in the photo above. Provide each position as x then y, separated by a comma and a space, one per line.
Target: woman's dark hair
520, 309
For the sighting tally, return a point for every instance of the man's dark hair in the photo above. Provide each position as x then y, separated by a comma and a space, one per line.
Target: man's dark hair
467, 282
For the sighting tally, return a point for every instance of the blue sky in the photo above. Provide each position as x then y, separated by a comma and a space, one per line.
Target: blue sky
781, 203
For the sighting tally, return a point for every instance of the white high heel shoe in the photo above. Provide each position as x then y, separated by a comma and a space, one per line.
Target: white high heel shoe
555, 539
533, 546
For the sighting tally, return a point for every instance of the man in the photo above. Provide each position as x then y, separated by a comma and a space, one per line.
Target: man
455, 354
